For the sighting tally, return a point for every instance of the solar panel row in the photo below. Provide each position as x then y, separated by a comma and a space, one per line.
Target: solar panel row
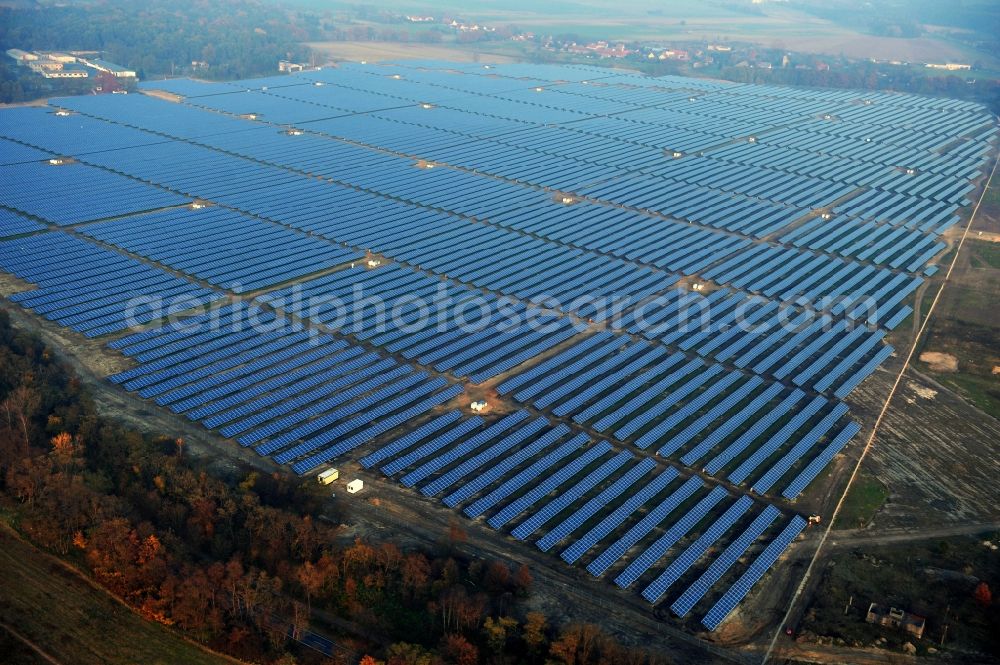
302, 398
93, 290
222, 247
536, 459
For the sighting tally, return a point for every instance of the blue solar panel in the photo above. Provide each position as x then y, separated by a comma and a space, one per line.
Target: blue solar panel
599, 386
845, 389
542, 368
549, 378
91, 289
678, 530
641, 529
568, 386
395, 420
753, 433
566, 499
717, 434
409, 439
589, 509
432, 446
12, 224
807, 474
618, 516
562, 475
685, 559
738, 591
776, 440
527, 476
701, 423
627, 388
724, 562
439, 462
507, 464
470, 464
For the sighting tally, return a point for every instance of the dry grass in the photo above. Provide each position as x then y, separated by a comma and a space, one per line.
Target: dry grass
51, 606
381, 51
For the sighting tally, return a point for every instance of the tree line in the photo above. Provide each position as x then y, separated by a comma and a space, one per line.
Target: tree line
240, 563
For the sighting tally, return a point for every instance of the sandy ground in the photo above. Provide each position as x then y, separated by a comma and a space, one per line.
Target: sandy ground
939, 362
937, 455
380, 51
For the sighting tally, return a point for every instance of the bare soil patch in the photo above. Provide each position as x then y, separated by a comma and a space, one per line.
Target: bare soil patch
939, 362
938, 458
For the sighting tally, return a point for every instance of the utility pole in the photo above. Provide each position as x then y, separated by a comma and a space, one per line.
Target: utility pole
850, 602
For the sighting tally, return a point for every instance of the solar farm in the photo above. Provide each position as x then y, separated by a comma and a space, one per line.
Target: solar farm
664, 289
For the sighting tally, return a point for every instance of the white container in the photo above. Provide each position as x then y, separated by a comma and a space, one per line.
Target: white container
355, 486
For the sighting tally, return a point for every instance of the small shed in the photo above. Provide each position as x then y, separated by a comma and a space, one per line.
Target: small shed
328, 476
355, 486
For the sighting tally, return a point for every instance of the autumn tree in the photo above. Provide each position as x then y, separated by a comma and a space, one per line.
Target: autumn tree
982, 595
534, 632
460, 611
312, 580
523, 580
579, 644
497, 576
496, 633
62, 444
129, 561
415, 574
20, 407
403, 653
457, 650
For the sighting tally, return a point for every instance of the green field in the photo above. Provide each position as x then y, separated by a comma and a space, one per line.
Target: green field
935, 579
69, 620
966, 324
865, 498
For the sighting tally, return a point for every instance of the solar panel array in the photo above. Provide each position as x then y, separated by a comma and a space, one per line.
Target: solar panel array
679, 280
301, 397
94, 290
222, 247
725, 422
18, 153
14, 224
72, 193
613, 510
443, 325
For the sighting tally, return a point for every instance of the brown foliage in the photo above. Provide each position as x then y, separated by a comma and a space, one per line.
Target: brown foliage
228, 564
534, 632
982, 595
459, 651
582, 644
